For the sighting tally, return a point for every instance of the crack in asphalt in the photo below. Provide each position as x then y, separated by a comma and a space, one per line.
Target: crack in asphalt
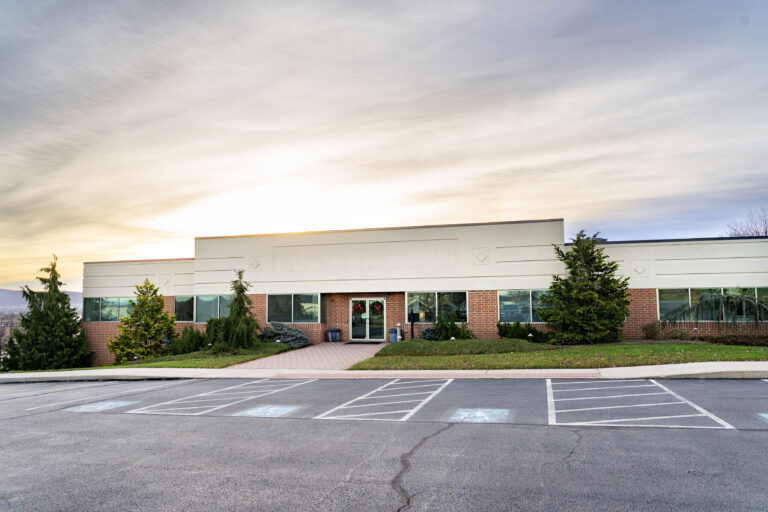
405, 467
575, 445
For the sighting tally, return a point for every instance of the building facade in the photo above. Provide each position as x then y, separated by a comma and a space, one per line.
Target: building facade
365, 282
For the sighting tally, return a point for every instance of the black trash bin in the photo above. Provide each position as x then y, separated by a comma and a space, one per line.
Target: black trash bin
392, 335
333, 335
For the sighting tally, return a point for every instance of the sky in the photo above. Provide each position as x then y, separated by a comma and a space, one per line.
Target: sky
129, 128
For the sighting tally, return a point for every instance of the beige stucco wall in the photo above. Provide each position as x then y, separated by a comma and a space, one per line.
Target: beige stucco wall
461, 257
118, 278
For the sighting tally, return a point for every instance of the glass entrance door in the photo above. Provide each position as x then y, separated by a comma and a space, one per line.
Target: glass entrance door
367, 319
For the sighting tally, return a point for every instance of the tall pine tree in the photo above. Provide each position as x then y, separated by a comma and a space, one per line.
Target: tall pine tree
50, 334
147, 330
590, 303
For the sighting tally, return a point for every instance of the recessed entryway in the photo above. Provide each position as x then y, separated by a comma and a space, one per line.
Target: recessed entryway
367, 319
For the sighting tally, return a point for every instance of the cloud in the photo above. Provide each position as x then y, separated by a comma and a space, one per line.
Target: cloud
128, 128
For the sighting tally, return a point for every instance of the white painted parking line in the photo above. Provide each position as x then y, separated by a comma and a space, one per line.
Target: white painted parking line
191, 405
397, 413
624, 416
595, 382
101, 406
117, 393
570, 390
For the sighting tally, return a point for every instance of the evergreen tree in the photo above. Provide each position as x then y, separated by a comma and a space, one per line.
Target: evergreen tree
240, 328
50, 334
590, 303
147, 330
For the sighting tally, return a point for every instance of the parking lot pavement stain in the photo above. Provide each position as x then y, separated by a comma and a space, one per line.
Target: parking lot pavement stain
101, 406
480, 416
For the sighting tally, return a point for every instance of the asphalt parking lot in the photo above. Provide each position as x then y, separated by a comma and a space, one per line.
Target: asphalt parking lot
411, 444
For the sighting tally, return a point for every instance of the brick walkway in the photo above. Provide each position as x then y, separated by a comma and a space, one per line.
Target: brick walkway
323, 356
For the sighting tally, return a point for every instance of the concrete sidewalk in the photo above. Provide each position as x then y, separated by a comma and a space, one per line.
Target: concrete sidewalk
711, 370
323, 356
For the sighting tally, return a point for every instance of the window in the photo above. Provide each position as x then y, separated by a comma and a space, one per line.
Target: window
515, 306
225, 304
430, 305
92, 309
423, 304
125, 308
109, 309
184, 307
299, 308
323, 315
672, 303
536, 304
206, 306
306, 308
762, 295
742, 307
712, 313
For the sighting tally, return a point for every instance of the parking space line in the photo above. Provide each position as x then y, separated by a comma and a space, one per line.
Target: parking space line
611, 396
596, 382
603, 387
711, 416
618, 407
128, 392
629, 408
208, 397
337, 413
647, 418
409, 387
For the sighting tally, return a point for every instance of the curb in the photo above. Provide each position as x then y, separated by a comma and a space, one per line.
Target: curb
709, 370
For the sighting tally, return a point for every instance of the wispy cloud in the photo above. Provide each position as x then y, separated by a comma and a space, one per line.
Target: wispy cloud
127, 128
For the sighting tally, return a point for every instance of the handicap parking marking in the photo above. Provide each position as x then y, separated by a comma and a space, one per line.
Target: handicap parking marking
480, 416
586, 406
269, 411
101, 406
763, 415
211, 401
386, 404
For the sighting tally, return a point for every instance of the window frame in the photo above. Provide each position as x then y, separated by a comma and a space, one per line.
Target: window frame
292, 295
437, 305
530, 304
690, 302
194, 308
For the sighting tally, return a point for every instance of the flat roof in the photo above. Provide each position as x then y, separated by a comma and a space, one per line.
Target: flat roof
663, 240
386, 228
159, 260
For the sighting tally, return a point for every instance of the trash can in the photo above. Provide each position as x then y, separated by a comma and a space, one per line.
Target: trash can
392, 335
333, 335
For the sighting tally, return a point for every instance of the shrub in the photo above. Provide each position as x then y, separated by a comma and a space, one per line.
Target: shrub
281, 333
191, 340
588, 304
238, 330
447, 327
754, 340
651, 330
519, 331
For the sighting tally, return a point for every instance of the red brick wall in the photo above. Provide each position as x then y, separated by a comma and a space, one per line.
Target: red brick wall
642, 309
98, 334
483, 313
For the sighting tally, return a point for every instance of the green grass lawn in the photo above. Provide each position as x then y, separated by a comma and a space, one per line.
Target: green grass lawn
205, 359
520, 354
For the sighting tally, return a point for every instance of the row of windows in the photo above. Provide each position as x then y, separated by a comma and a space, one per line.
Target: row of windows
296, 308
106, 309
201, 308
674, 303
187, 308
519, 305
430, 305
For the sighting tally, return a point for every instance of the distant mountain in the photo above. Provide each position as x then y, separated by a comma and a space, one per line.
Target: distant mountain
12, 300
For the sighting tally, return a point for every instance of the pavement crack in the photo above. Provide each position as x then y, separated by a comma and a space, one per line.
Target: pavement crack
405, 467
575, 445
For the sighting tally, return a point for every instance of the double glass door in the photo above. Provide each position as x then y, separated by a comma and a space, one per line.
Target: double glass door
367, 319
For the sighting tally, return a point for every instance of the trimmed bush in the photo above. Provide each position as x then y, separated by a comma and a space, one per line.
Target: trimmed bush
519, 331
752, 340
651, 330
447, 327
281, 333
191, 340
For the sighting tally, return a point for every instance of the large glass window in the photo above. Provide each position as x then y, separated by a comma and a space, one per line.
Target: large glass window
711, 309
515, 306
423, 304
206, 306
536, 304
323, 314
92, 309
109, 309
225, 305
452, 301
125, 308
673, 303
184, 307
762, 296
306, 308
742, 308
279, 308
